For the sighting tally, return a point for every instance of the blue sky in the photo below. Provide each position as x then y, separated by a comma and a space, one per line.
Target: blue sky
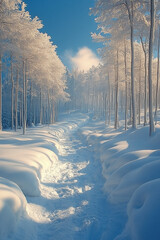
69, 24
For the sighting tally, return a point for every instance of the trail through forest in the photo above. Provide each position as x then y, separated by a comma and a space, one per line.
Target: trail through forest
72, 204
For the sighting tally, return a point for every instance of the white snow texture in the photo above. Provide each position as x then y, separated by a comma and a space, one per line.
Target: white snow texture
34, 166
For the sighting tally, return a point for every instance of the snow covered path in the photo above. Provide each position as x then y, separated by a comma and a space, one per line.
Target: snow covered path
72, 204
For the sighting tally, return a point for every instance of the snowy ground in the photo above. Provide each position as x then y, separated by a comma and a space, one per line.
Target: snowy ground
72, 204
81, 181
131, 166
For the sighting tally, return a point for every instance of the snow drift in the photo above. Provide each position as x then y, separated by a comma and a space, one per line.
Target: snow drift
23, 160
12, 206
131, 167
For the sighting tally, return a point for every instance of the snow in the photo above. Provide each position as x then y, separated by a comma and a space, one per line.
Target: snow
12, 206
144, 212
23, 157
78, 176
131, 167
22, 160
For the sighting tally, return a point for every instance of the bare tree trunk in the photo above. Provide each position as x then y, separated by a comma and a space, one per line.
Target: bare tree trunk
145, 96
130, 102
21, 112
145, 80
131, 17
105, 109
30, 106
16, 100
26, 93
113, 100
24, 98
12, 95
41, 106
139, 98
34, 113
134, 121
151, 39
157, 86
126, 85
53, 111
116, 93
48, 120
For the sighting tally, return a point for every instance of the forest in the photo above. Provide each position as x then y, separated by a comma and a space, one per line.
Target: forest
79, 149
32, 77
127, 80
35, 84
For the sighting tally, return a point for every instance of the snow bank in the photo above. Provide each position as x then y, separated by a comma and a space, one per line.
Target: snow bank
24, 157
12, 206
23, 160
144, 213
131, 167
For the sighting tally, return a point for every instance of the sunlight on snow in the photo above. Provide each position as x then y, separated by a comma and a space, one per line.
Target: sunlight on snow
63, 192
64, 172
38, 213
62, 214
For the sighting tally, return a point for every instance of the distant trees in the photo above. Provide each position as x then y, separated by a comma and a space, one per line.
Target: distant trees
127, 80
122, 22
37, 75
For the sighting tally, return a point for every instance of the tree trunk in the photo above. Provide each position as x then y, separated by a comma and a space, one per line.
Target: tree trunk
105, 108
26, 93
151, 39
12, 95
34, 112
30, 106
145, 80
157, 86
131, 17
134, 122
16, 101
53, 112
48, 118
116, 92
41, 110
24, 98
145, 93
21, 112
126, 85
130, 103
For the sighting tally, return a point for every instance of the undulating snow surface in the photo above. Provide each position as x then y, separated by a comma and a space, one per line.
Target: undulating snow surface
12, 206
59, 169
131, 167
71, 204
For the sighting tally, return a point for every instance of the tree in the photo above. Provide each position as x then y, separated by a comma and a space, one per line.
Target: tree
33, 60
151, 39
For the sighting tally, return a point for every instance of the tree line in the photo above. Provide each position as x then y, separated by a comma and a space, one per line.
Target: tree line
134, 21
128, 79
32, 77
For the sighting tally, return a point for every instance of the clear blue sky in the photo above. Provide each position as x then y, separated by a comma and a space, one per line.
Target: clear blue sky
67, 22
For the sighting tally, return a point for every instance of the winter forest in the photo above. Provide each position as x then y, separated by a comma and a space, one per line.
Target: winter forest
79, 148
